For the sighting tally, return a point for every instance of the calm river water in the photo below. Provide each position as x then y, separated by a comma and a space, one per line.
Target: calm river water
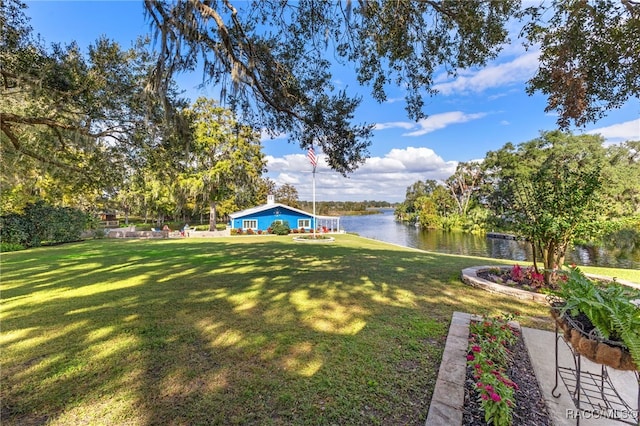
383, 227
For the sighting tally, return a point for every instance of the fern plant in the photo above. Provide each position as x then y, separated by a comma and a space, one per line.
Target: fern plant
609, 307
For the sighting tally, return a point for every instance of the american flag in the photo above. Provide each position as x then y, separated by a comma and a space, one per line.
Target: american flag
311, 155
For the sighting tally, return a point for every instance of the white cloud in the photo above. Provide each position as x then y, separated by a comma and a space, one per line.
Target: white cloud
393, 100
621, 132
439, 121
298, 163
380, 178
518, 70
394, 125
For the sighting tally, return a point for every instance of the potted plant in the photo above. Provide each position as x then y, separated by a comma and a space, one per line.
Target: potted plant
601, 320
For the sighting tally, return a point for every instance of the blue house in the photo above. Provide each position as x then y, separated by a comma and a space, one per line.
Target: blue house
261, 218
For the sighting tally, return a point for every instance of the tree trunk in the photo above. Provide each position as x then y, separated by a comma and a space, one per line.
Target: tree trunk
562, 251
549, 260
212, 216
534, 251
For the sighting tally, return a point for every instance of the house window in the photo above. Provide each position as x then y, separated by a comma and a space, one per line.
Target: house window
250, 224
304, 223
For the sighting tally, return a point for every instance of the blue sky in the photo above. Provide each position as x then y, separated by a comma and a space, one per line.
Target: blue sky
479, 111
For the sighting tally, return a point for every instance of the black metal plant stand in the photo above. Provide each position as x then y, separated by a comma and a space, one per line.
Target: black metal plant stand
594, 395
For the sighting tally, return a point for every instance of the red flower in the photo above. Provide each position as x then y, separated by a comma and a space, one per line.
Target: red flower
495, 397
470, 357
476, 348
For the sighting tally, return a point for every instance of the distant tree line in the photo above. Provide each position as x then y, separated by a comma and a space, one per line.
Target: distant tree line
344, 207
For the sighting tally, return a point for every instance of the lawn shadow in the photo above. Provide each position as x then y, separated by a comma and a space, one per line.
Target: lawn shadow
227, 330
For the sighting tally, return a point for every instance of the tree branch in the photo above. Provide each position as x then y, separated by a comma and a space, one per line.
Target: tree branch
6, 117
8, 131
234, 60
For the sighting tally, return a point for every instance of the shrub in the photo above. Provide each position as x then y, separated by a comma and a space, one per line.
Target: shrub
280, 228
99, 233
5, 247
42, 222
250, 231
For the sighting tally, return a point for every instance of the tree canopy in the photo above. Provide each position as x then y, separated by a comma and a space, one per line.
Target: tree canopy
277, 56
546, 189
273, 60
74, 126
224, 157
75, 121
590, 56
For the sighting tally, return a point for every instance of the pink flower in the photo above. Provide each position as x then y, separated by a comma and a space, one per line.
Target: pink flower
489, 388
476, 348
470, 357
495, 397
484, 396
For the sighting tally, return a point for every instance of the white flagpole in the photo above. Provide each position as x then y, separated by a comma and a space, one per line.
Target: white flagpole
315, 225
311, 155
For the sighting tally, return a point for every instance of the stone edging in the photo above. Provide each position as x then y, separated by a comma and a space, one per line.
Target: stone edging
313, 240
470, 277
447, 401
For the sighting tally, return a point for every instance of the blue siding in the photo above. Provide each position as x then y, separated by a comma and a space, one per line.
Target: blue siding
266, 217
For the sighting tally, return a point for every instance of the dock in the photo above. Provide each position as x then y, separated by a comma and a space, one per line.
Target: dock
502, 236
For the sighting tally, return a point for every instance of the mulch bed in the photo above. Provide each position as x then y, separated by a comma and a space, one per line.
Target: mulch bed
530, 408
503, 276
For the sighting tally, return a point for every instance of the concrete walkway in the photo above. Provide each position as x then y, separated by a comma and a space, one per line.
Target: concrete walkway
448, 396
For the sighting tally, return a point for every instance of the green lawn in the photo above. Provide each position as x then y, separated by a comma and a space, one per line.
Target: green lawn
246, 330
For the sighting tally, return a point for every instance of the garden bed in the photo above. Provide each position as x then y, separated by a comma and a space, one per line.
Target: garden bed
530, 406
479, 276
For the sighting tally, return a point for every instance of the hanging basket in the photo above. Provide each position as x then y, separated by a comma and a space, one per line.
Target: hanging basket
589, 343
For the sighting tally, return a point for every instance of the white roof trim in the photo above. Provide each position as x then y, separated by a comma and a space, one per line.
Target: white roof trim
264, 207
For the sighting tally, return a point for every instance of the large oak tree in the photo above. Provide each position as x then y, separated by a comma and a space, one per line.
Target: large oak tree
75, 120
223, 157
